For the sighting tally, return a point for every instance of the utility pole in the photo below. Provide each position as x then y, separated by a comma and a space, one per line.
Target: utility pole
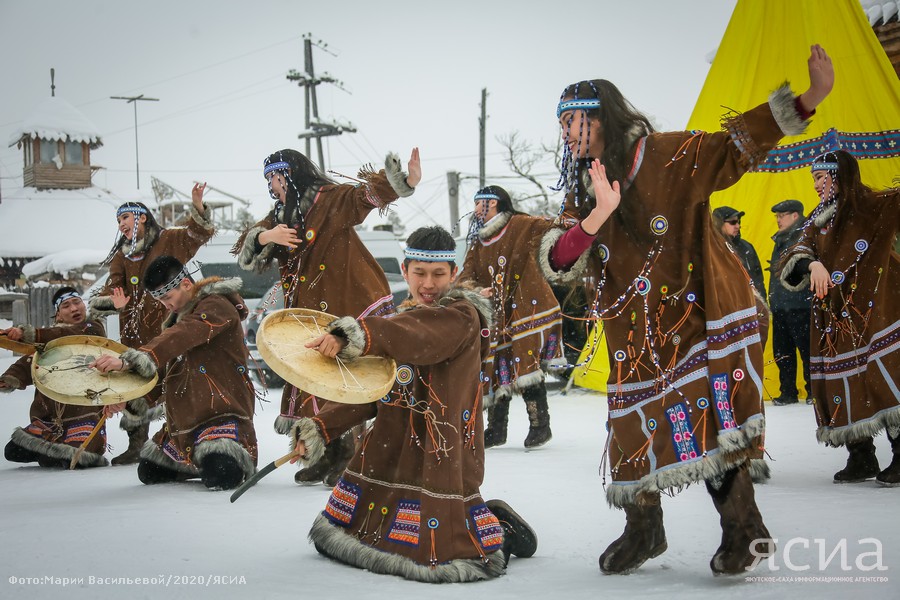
316, 128
482, 126
134, 100
453, 189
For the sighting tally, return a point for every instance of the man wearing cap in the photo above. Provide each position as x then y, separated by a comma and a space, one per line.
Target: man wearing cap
729, 222
790, 310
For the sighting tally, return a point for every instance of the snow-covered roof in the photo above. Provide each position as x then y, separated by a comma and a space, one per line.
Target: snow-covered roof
65, 261
41, 222
56, 119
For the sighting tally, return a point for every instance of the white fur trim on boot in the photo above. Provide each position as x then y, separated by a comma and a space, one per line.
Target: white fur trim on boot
337, 544
53, 450
228, 448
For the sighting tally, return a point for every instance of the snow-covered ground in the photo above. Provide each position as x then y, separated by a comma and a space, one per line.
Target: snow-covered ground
102, 526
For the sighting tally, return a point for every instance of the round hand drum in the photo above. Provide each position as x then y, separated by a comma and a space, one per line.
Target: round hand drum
61, 372
281, 340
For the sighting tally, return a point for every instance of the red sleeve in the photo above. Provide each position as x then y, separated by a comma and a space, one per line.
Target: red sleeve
569, 247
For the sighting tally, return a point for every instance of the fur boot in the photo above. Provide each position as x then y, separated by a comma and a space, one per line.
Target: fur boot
890, 477
742, 525
519, 539
498, 419
150, 473
16, 453
317, 471
538, 416
220, 471
136, 440
644, 536
862, 463
346, 450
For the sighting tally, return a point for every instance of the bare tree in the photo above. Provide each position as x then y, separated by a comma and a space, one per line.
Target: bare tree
523, 157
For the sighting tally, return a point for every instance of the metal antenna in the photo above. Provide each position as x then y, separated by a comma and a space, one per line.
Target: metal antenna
133, 100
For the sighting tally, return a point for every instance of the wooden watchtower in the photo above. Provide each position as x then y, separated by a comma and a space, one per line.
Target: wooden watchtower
56, 142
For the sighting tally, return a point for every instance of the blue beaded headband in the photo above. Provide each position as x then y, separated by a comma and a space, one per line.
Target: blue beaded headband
486, 196
430, 255
577, 104
824, 166
63, 298
132, 209
160, 292
276, 166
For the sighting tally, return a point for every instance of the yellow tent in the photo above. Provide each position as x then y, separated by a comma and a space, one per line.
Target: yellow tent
766, 43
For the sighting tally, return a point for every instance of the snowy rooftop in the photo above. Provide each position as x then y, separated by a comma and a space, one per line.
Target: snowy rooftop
56, 119
41, 222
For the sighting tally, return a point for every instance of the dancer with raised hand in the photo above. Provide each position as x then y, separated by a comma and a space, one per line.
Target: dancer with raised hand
322, 262
846, 258
685, 387
141, 240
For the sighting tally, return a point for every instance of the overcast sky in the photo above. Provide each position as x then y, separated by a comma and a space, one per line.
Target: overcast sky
413, 71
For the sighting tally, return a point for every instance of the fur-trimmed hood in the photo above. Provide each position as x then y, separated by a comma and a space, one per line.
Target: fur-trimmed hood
823, 216
466, 292
229, 288
494, 226
350, 329
151, 234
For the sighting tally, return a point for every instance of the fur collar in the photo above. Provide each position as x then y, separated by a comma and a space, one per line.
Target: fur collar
825, 215
462, 292
151, 234
494, 226
206, 287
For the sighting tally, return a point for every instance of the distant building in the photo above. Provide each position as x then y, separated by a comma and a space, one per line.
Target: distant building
55, 208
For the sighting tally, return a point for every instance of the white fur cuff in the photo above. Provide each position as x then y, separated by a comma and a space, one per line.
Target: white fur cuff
202, 220
349, 329
788, 269
543, 258
307, 431
393, 168
101, 306
11, 382
248, 258
784, 110
139, 362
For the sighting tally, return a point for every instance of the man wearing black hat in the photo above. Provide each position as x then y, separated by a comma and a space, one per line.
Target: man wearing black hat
729, 222
790, 310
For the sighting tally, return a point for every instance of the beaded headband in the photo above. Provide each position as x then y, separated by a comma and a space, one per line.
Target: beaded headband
824, 166
577, 104
132, 209
160, 292
430, 255
276, 166
63, 297
486, 196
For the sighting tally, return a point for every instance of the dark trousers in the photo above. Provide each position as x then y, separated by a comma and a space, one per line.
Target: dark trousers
790, 333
